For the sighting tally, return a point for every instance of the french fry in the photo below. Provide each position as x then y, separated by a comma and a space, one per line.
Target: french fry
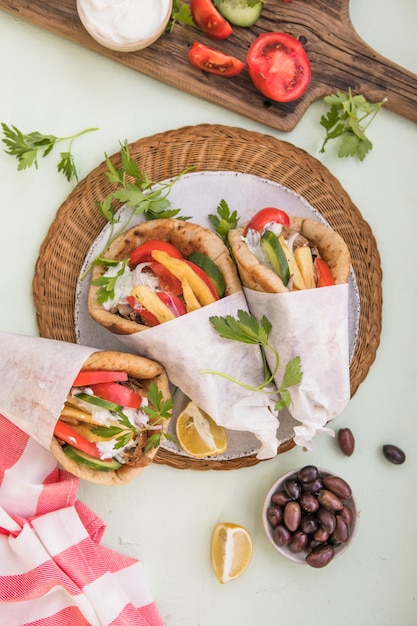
298, 280
304, 261
148, 298
182, 271
191, 302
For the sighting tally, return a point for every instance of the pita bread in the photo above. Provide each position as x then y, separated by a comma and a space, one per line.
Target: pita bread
258, 277
144, 371
185, 236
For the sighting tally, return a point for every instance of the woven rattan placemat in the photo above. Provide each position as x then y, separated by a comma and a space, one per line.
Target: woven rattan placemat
208, 147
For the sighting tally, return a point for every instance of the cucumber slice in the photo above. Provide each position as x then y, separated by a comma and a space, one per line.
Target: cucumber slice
86, 459
276, 255
210, 268
240, 12
103, 404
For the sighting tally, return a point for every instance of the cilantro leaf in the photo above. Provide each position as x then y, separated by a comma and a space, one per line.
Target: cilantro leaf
346, 120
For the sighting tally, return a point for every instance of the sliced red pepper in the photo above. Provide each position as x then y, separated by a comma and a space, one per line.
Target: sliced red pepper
85, 378
176, 305
202, 274
324, 276
266, 215
146, 315
64, 432
113, 392
142, 254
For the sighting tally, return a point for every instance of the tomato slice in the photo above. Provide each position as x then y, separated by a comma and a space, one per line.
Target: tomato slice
324, 276
266, 215
142, 254
167, 281
214, 61
84, 379
206, 16
146, 315
279, 66
202, 274
64, 432
118, 394
176, 305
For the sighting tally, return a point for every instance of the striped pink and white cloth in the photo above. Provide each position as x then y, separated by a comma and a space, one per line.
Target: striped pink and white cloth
53, 569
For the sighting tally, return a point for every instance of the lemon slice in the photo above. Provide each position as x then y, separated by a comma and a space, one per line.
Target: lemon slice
198, 434
231, 551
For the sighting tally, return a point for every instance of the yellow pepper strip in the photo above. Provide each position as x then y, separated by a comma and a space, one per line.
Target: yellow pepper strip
298, 280
148, 298
182, 271
73, 413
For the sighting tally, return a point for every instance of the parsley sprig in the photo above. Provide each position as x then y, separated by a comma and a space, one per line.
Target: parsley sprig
180, 14
28, 147
224, 221
107, 284
158, 410
247, 329
134, 190
346, 120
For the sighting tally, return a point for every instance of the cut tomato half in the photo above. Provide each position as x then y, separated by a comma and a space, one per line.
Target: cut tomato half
206, 16
214, 61
84, 378
118, 394
279, 66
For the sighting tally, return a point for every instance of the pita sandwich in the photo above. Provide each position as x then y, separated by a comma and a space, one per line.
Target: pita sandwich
141, 373
186, 237
322, 241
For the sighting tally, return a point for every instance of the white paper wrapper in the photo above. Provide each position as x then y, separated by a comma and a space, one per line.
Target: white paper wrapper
312, 324
37, 375
189, 344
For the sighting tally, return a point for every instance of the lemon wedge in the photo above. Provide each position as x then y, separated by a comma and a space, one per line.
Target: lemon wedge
231, 551
198, 434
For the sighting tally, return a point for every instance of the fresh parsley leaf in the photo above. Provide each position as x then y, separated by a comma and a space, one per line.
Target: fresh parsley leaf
27, 148
346, 120
247, 329
224, 220
107, 283
157, 410
181, 14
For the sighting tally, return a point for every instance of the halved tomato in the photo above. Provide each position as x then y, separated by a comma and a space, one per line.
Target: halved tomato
266, 215
118, 394
214, 61
142, 254
279, 66
207, 17
84, 379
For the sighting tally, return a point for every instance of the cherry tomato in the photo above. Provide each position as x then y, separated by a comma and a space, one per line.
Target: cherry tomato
279, 66
266, 215
167, 280
201, 273
206, 16
64, 432
146, 315
214, 61
176, 305
324, 276
113, 392
142, 254
84, 379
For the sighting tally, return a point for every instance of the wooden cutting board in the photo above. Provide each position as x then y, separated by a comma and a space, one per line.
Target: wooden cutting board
339, 58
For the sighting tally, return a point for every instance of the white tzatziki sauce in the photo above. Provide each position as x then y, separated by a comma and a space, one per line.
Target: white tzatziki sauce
126, 281
253, 241
123, 22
